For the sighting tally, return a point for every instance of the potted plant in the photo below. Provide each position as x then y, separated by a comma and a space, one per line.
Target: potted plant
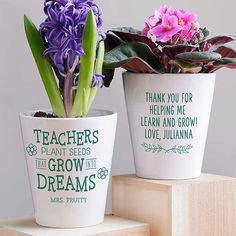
69, 149
169, 87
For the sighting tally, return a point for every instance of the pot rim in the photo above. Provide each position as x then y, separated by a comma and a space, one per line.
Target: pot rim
175, 74
104, 114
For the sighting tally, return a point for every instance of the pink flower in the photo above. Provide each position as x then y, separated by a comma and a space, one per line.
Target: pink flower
164, 10
150, 23
146, 30
166, 29
185, 18
188, 23
168, 22
155, 19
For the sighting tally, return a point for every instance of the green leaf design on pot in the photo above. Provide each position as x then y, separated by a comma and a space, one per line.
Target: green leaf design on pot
180, 149
102, 173
177, 149
31, 150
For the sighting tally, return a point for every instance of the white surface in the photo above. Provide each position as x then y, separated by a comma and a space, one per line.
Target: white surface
28, 226
22, 90
195, 92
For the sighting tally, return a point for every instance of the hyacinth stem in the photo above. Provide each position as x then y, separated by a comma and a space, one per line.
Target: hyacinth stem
84, 104
89, 44
67, 93
44, 67
98, 70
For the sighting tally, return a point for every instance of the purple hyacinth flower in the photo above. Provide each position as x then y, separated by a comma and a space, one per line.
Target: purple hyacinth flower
98, 81
62, 33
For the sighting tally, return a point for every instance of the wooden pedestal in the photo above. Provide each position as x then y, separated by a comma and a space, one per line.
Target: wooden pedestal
200, 207
112, 226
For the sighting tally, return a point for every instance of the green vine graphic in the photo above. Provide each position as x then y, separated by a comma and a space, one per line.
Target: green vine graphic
103, 173
31, 150
178, 149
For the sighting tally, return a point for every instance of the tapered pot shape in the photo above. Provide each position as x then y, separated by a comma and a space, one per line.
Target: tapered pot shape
168, 117
69, 163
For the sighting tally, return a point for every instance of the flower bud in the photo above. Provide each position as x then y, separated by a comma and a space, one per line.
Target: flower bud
195, 26
199, 36
207, 47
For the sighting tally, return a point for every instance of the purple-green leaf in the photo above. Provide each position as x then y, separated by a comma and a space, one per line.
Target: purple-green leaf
172, 50
224, 62
199, 56
109, 75
133, 56
227, 62
129, 34
221, 39
186, 67
226, 52
130, 30
112, 41
138, 65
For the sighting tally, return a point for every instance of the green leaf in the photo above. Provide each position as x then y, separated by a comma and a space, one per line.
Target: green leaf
133, 56
199, 56
98, 70
205, 32
89, 44
186, 67
44, 67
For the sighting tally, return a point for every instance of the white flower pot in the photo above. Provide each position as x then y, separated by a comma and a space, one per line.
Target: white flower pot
69, 163
168, 116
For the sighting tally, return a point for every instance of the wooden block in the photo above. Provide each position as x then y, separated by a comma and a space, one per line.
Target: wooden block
7, 232
112, 226
199, 207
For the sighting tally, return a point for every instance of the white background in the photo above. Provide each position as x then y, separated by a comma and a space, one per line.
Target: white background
21, 89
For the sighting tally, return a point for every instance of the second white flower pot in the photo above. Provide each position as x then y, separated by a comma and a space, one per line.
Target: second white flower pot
169, 116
